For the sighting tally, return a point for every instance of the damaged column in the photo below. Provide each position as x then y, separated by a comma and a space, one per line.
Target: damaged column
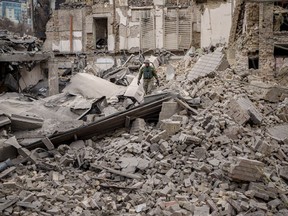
53, 80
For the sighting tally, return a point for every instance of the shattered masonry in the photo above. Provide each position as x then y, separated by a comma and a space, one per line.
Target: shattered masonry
78, 136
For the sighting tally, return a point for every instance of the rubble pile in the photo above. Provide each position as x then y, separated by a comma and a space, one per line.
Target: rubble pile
219, 148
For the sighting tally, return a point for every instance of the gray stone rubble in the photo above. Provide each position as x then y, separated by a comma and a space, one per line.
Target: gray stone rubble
230, 159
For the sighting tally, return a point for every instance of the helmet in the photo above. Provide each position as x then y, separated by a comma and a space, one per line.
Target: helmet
146, 62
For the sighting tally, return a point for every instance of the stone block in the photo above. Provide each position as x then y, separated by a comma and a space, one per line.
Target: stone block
279, 132
262, 146
171, 127
162, 135
274, 94
274, 203
7, 151
77, 145
200, 152
203, 210
138, 125
242, 110
284, 172
49, 145
4, 120
168, 109
246, 170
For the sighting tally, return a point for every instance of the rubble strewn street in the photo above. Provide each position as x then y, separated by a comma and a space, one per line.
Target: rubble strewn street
144, 108
225, 160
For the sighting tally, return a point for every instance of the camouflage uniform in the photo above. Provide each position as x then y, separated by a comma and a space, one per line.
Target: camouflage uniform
148, 73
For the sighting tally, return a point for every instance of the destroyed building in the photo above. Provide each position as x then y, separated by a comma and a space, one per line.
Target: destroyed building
259, 36
134, 26
210, 140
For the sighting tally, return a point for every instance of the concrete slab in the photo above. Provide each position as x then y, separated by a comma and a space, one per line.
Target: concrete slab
90, 86
279, 132
7, 151
206, 64
20, 122
135, 91
4, 120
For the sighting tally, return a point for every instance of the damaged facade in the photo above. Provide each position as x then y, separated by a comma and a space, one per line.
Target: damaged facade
259, 36
22, 63
210, 139
133, 27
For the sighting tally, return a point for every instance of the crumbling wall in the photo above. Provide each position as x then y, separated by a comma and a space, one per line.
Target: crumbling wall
216, 21
247, 42
268, 39
99, 11
128, 28
58, 31
266, 47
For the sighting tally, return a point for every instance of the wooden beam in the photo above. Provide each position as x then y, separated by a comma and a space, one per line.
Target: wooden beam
106, 124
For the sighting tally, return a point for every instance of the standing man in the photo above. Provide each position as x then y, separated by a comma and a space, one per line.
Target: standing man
148, 73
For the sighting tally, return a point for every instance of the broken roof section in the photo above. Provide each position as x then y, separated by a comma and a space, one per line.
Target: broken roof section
90, 86
14, 48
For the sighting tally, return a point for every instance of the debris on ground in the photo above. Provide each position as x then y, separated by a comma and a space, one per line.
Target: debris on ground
217, 147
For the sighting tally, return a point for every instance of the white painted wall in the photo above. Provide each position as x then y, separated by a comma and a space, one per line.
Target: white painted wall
30, 78
216, 22
64, 45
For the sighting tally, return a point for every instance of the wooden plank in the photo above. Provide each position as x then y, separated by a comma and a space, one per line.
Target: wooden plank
186, 106
7, 172
47, 142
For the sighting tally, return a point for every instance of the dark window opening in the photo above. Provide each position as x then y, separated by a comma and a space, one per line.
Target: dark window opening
253, 60
280, 18
281, 50
101, 33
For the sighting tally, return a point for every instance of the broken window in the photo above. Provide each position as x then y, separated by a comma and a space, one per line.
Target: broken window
280, 18
281, 50
100, 32
178, 29
280, 55
253, 60
147, 33
137, 14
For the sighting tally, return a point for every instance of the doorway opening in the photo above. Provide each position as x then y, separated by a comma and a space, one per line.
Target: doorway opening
100, 33
280, 55
280, 17
253, 60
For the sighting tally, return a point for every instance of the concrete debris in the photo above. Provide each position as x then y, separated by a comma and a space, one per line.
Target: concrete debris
276, 94
90, 86
279, 132
135, 91
206, 65
242, 110
4, 120
247, 170
168, 110
216, 148
20, 122
170, 72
